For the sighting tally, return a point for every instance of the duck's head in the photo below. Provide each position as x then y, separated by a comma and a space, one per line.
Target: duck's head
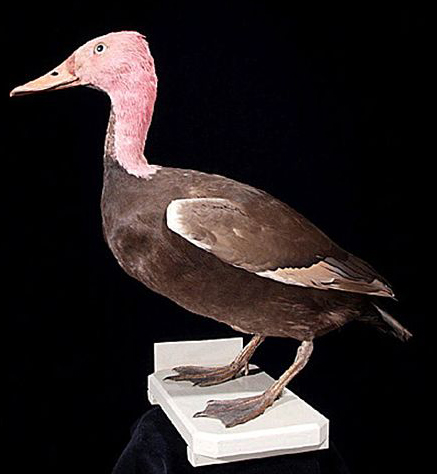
113, 62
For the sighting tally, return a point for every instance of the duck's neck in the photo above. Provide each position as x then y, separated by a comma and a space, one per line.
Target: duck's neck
131, 114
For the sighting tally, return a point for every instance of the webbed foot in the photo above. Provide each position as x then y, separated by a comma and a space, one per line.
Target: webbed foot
237, 411
205, 376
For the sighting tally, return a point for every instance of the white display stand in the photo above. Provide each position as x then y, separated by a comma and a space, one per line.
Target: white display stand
289, 426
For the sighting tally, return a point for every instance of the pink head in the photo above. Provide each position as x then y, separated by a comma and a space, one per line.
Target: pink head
113, 62
121, 65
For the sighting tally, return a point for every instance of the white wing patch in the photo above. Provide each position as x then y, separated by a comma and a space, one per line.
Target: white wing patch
175, 221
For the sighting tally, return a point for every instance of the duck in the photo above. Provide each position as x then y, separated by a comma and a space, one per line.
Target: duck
217, 247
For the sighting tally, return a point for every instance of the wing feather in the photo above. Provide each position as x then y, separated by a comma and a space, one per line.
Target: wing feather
270, 242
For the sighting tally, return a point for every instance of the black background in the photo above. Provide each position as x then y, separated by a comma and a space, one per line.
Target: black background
322, 107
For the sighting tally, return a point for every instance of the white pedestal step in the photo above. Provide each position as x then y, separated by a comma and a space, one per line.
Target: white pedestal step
290, 425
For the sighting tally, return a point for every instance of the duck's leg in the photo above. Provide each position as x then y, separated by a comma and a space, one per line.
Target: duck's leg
204, 376
239, 410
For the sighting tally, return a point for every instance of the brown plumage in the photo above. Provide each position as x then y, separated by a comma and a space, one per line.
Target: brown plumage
217, 247
135, 226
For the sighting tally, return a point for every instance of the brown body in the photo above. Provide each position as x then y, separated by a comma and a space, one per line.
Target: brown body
135, 229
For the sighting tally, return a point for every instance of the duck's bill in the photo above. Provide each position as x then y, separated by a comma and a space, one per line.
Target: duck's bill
58, 78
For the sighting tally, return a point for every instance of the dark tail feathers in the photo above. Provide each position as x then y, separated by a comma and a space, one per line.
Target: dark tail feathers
387, 323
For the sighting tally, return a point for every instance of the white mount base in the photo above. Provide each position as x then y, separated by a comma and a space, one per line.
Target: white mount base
289, 426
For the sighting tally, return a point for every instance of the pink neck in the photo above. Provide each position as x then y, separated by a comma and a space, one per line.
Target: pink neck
132, 109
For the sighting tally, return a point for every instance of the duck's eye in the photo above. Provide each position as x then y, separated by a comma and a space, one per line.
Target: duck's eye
100, 48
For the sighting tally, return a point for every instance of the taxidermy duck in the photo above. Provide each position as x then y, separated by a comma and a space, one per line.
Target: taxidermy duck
217, 247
